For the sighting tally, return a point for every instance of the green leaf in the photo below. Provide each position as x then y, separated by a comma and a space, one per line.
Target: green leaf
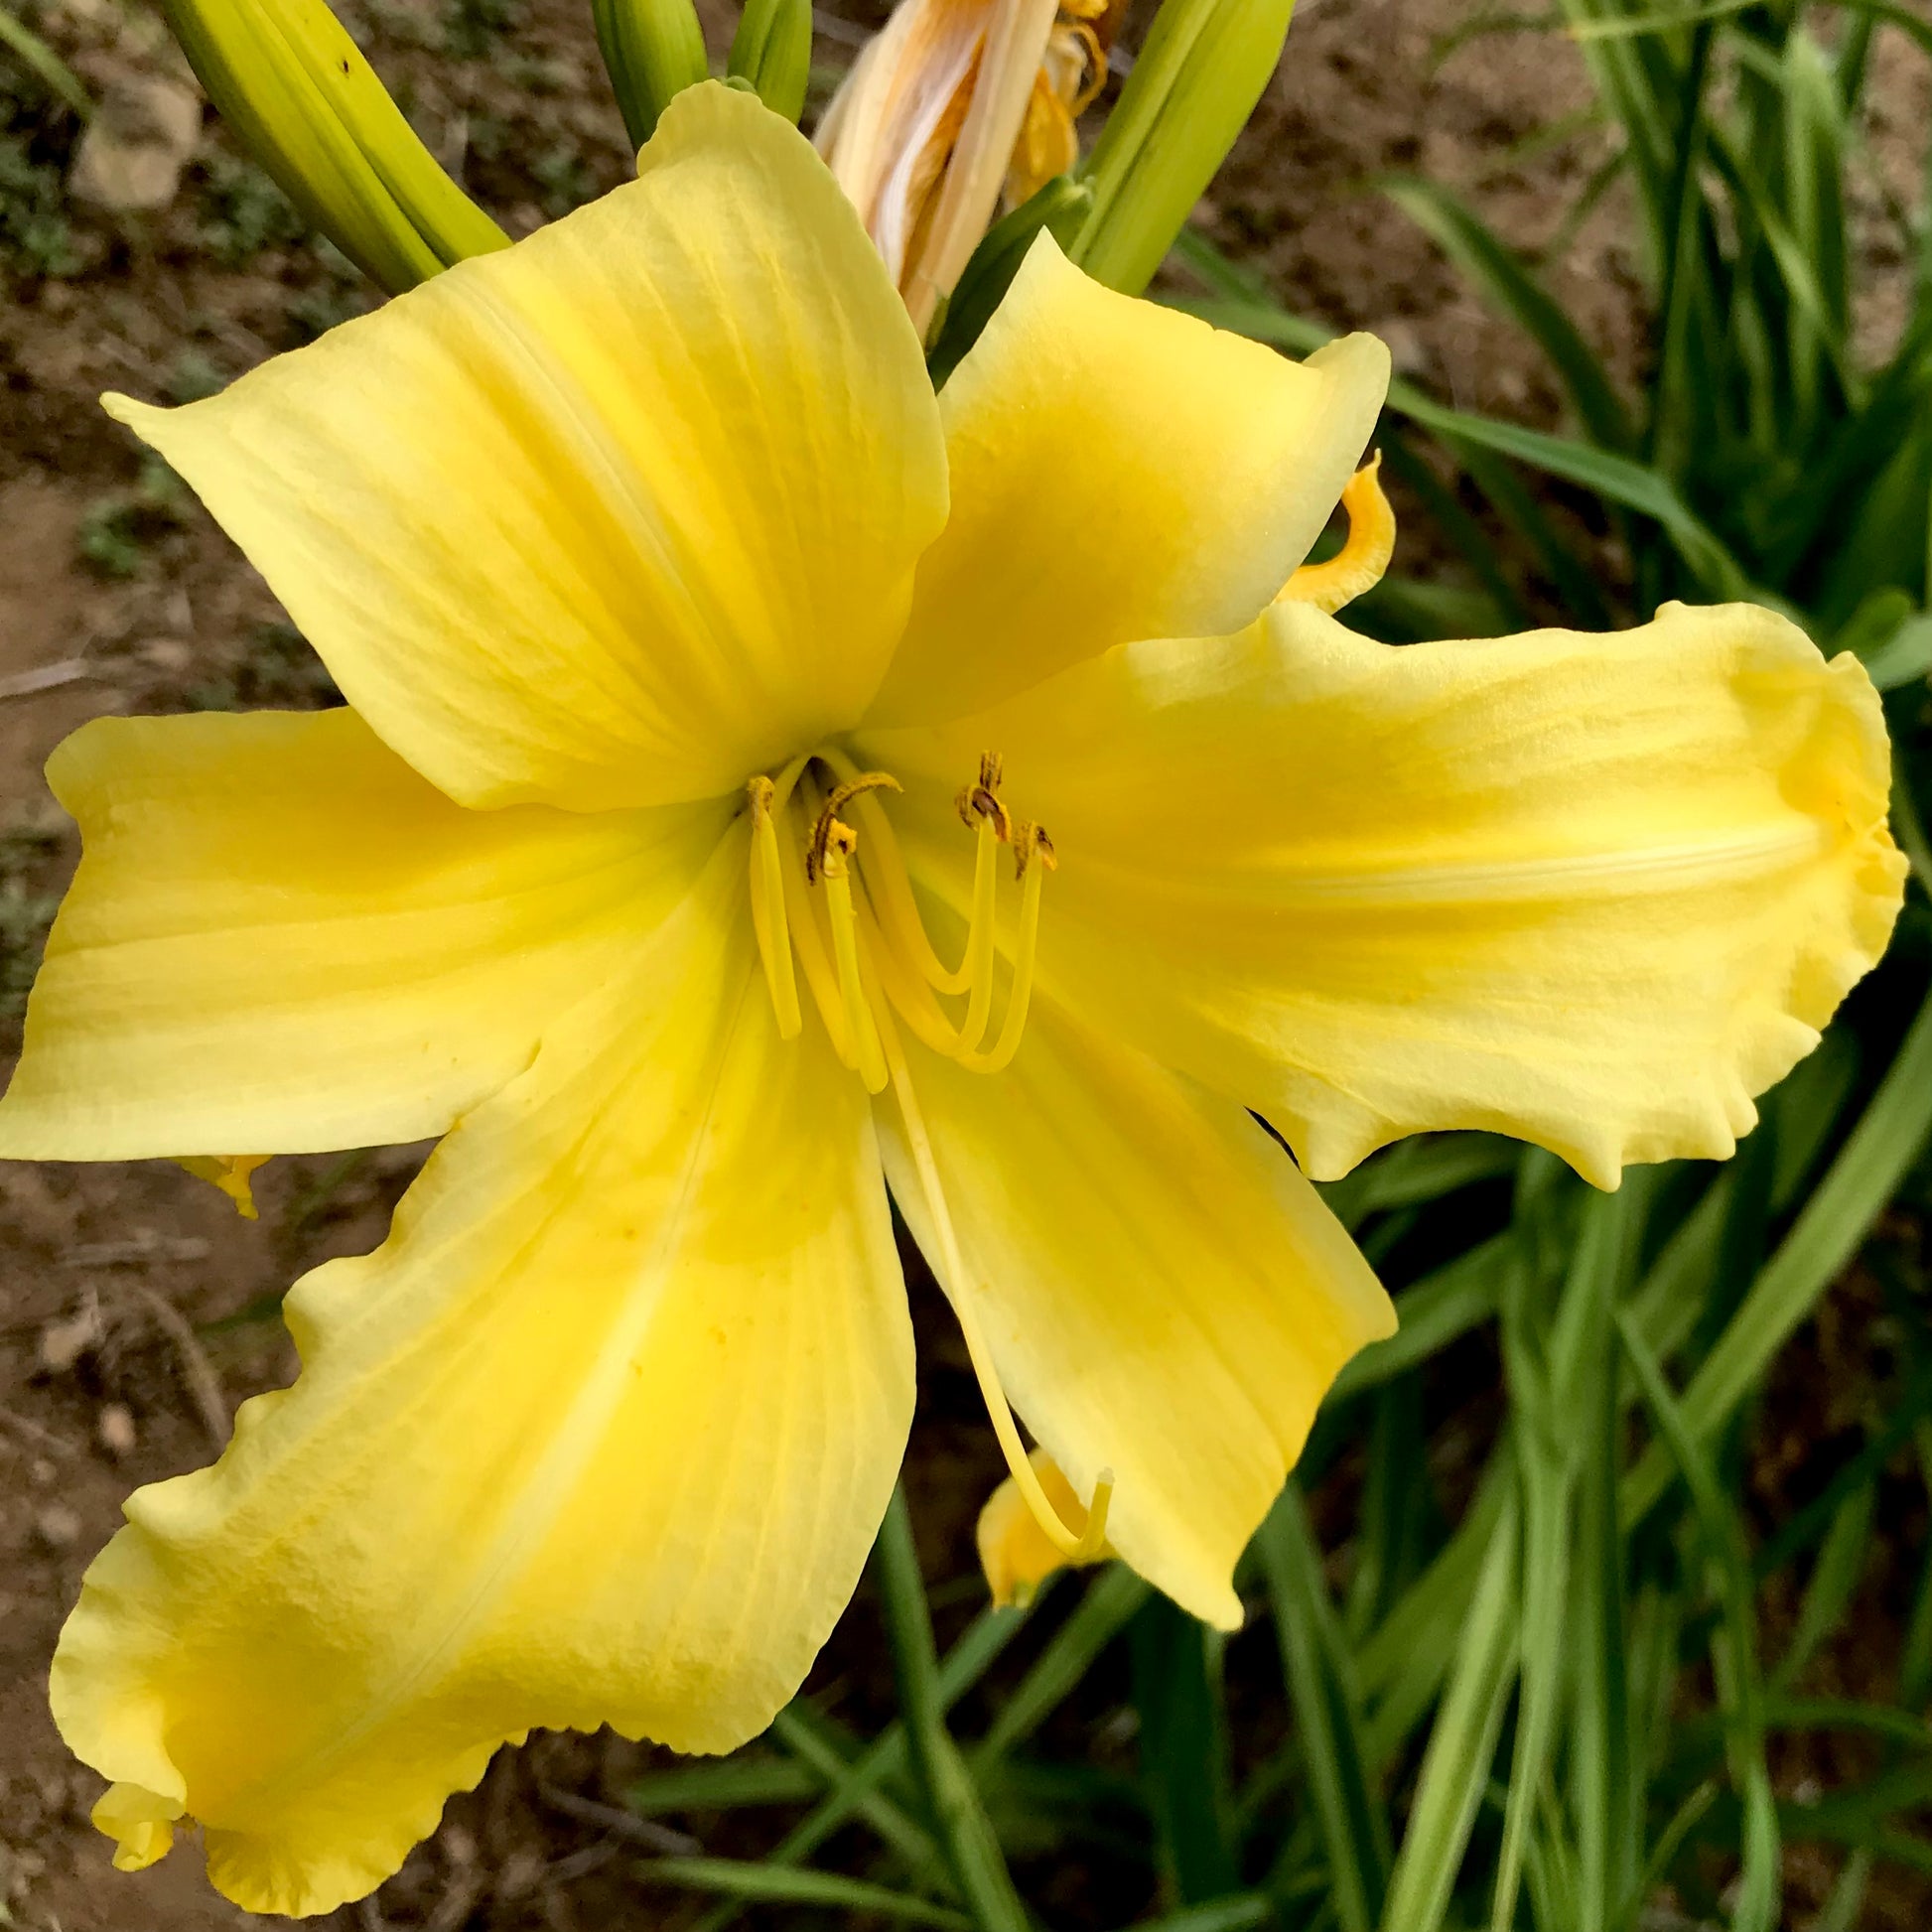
885, 1758
1735, 1654
800, 1730
746, 1879
1458, 1296
1233, 1914
1869, 1167
1108, 1606
1183, 1747
1328, 1713
959, 1820
1514, 291
1833, 1578
1461, 1744
1617, 478
723, 1785
40, 59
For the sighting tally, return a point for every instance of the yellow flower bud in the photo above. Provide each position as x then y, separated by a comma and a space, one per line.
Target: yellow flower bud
1013, 1550
1196, 82
772, 51
652, 50
308, 108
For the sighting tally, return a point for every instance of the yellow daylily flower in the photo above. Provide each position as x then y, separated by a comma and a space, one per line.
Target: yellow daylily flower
954, 104
680, 625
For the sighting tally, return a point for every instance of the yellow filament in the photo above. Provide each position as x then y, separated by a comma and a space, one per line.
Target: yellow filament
845, 946
979, 940
912, 998
890, 887
768, 912
1358, 565
1084, 1546
1021, 997
820, 974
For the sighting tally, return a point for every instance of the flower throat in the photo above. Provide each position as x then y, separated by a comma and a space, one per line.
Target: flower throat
870, 964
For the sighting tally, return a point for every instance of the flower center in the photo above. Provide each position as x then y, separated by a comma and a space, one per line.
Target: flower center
869, 964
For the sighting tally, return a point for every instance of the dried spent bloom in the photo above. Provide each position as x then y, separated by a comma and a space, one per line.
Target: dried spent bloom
709, 680
953, 105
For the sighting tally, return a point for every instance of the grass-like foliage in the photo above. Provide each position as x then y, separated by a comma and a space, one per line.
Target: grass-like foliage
1544, 1664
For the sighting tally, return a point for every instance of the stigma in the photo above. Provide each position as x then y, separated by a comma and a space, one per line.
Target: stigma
831, 899
1364, 555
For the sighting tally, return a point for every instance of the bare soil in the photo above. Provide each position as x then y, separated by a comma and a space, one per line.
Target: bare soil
135, 1307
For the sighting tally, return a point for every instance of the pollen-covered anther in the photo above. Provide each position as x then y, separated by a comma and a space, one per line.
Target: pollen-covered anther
829, 824
1031, 845
979, 804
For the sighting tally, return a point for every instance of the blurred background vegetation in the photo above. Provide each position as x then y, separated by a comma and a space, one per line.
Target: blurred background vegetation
1603, 1598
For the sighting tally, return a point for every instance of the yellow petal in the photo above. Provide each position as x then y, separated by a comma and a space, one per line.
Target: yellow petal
141, 1825
1595, 891
1163, 1292
280, 936
601, 1434
617, 516
1013, 1551
1118, 471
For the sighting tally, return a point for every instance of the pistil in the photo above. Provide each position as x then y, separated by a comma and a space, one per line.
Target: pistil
1077, 1546
803, 859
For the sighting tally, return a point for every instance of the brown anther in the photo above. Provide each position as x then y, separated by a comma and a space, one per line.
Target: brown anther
761, 790
831, 832
982, 802
832, 845
842, 795
1030, 842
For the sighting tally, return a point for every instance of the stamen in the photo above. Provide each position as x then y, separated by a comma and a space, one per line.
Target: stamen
981, 802
842, 795
1034, 852
891, 886
1358, 565
769, 918
820, 974
979, 940
834, 863
1084, 1546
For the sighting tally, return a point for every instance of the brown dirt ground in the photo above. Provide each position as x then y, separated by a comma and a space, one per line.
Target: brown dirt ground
133, 1305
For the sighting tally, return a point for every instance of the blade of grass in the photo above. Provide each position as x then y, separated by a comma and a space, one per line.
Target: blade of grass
1617, 478
38, 59
1735, 1645
723, 1786
1495, 270
748, 1880
1233, 1914
1328, 1713
1461, 1743
885, 1758
1458, 1296
1868, 1169
1183, 1747
798, 1728
960, 1821
1108, 1606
